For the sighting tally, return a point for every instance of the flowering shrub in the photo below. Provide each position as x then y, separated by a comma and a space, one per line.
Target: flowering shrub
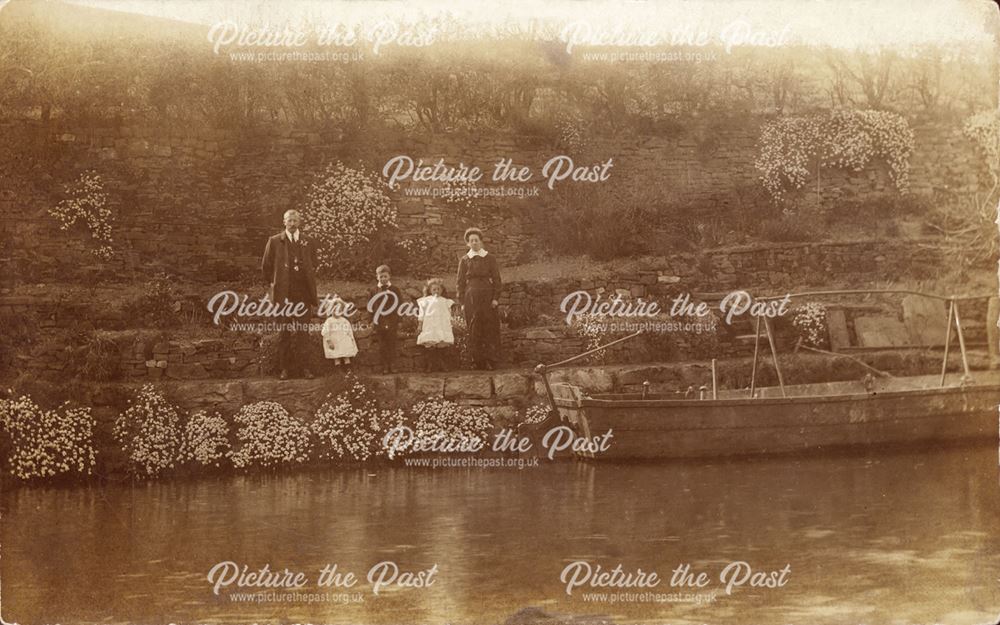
154, 302
810, 320
269, 436
206, 439
968, 221
418, 255
536, 414
599, 329
572, 132
88, 202
790, 146
346, 209
594, 328
351, 423
440, 418
415, 248
149, 432
460, 193
984, 129
46, 443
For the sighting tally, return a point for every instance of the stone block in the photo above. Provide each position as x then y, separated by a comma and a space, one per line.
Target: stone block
423, 386
511, 385
468, 387
539, 333
192, 371
592, 380
383, 386
222, 396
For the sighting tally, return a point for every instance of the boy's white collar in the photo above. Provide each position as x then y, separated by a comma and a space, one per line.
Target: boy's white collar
481, 252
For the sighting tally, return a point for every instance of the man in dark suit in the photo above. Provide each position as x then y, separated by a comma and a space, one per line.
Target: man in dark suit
288, 266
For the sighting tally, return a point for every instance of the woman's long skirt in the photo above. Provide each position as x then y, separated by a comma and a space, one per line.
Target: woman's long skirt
483, 324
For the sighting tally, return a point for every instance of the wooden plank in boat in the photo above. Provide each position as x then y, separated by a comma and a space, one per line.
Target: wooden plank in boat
840, 337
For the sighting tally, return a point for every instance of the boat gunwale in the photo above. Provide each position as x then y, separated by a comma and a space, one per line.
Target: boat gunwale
610, 402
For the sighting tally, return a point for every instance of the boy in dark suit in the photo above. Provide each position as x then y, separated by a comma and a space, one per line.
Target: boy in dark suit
388, 298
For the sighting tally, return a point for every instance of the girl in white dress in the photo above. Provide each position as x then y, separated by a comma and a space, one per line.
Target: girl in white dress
435, 323
338, 336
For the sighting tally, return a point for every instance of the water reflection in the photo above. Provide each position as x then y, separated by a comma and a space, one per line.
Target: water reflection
909, 537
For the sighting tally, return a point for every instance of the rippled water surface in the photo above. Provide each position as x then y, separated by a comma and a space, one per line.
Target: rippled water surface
901, 538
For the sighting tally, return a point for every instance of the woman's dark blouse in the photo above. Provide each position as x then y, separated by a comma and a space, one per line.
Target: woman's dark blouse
478, 272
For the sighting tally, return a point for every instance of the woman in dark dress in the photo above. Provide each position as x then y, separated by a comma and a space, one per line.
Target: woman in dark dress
479, 292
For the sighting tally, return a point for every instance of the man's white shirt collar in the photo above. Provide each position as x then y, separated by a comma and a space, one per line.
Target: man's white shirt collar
289, 236
481, 252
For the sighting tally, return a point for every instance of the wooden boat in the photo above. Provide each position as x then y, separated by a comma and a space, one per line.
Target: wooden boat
873, 412
904, 411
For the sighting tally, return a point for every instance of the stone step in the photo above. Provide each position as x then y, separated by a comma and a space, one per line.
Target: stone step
508, 390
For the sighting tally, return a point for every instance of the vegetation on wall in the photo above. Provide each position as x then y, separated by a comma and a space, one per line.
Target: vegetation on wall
350, 215
792, 150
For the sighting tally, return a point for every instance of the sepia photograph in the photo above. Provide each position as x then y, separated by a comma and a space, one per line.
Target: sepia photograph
456, 312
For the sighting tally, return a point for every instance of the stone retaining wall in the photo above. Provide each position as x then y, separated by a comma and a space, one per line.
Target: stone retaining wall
201, 203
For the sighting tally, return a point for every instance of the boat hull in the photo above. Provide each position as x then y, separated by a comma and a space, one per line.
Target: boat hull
646, 429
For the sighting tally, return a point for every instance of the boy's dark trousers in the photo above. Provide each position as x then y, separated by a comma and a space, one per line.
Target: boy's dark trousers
386, 337
434, 359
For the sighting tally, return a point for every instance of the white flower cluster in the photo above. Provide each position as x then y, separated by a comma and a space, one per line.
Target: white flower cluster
810, 320
593, 327
206, 439
571, 132
345, 209
87, 201
891, 139
46, 443
984, 129
460, 193
149, 432
269, 436
786, 146
599, 328
415, 248
444, 419
849, 139
536, 414
352, 424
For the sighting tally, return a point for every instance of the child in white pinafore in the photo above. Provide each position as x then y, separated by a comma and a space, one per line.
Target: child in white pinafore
338, 336
435, 323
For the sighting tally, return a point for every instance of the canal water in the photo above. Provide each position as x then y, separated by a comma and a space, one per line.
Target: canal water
899, 538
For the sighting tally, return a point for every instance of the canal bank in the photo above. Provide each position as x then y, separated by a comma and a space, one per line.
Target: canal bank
489, 402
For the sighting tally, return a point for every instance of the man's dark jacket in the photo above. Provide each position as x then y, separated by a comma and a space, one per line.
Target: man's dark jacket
277, 266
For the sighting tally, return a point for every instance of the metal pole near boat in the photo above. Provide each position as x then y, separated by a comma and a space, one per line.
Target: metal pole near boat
753, 371
947, 340
542, 370
961, 341
774, 355
715, 389
592, 351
